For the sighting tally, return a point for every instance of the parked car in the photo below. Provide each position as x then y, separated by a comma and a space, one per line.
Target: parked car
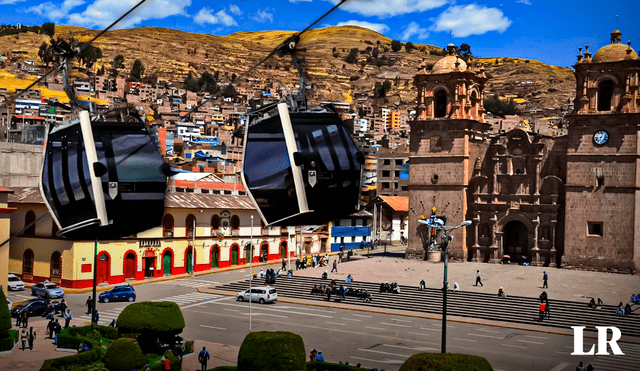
118, 293
259, 294
15, 283
35, 307
47, 290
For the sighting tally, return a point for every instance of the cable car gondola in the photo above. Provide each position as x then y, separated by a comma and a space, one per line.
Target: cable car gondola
103, 179
301, 168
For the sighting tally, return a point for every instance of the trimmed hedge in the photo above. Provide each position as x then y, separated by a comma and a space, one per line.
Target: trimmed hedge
224, 368
445, 362
8, 342
5, 317
106, 331
146, 316
84, 358
267, 351
124, 355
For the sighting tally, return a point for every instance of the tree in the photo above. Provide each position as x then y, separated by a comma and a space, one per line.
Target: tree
89, 55
229, 92
499, 107
396, 45
45, 53
48, 28
208, 82
409, 46
116, 64
100, 71
190, 83
137, 71
375, 52
382, 89
353, 56
465, 52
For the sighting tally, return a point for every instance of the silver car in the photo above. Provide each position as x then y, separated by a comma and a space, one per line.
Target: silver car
47, 290
259, 294
15, 283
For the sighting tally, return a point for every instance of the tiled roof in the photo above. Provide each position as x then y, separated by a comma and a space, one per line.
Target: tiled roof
31, 195
397, 203
3, 189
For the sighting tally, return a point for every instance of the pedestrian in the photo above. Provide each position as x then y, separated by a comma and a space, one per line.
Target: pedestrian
590, 368
62, 308
541, 312
340, 256
165, 363
422, 285
25, 318
335, 266
501, 292
96, 317
31, 337
547, 311
284, 265
67, 318
50, 329
89, 304
580, 367
319, 356
56, 330
545, 277
312, 356
23, 337
478, 278
203, 357
18, 319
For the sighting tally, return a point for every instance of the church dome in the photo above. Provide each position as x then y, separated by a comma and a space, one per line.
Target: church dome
615, 51
448, 63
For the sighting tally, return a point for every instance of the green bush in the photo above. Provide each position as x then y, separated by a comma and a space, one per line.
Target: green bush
146, 316
5, 317
266, 351
224, 368
105, 331
84, 358
8, 342
176, 364
124, 355
445, 362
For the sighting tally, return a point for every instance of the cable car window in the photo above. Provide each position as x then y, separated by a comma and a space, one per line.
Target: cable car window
322, 147
132, 153
74, 178
58, 181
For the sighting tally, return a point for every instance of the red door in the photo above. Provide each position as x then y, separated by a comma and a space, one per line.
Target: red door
103, 268
130, 266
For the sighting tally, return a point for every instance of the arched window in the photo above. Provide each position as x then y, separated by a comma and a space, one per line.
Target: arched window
474, 104
605, 94
29, 218
27, 262
56, 260
190, 224
440, 104
235, 225
215, 224
167, 226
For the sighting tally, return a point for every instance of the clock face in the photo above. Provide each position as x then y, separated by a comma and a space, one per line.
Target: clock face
601, 137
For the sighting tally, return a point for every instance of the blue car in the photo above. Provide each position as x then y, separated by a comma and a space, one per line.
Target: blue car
118, 293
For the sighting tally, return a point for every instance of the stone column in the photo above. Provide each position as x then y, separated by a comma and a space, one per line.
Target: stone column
535, 251
553, 251
496, 242
476, 246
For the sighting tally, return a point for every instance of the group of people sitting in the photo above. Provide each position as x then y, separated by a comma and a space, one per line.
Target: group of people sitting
313, 261
619, 310
392, 288
269, 276
341, 291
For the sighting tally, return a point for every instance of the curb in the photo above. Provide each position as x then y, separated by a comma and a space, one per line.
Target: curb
456, 319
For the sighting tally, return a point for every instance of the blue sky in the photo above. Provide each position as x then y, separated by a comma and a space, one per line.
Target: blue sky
549, 31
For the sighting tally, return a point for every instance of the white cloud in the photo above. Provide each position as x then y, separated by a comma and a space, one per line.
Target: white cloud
10, 2
299, 1
377, 27
471, 20
525, 2
262, 16
54, 12
389, 8
235, 10
414, 29
205, 16
103, 12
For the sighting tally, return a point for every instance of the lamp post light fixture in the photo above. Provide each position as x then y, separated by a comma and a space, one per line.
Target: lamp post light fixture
438, 224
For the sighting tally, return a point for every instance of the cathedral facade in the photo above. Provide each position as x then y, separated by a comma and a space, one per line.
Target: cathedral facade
571, 201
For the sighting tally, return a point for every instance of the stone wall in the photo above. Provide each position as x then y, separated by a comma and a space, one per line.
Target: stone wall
20, 164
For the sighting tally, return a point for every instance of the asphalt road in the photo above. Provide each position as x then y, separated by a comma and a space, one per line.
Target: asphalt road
374, 340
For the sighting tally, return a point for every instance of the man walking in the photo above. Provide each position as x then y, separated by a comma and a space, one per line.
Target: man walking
478, 279
25, 318
89, 304
335, 266
545, 277
31, 337
67, 318
63, 308
203, 357
284, 265
96, 317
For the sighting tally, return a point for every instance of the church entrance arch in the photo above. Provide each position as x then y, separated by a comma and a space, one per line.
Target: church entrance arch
515, 241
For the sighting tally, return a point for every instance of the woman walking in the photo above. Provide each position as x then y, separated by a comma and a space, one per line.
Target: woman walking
24, 336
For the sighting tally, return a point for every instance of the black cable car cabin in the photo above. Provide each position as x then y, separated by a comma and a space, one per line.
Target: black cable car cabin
132, 180
324, 156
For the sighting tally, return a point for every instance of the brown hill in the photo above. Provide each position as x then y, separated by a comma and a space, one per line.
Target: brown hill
172, 54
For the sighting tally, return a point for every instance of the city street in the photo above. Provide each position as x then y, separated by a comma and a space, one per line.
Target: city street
371, 339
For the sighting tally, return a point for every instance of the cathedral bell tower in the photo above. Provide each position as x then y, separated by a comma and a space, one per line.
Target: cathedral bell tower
449, 125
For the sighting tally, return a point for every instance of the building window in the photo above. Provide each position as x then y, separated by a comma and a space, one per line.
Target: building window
595, 229
227, 192
190, 223
204, 191
29, 218
385, 185
396, 173
189, 190
167, 226
386, 173
405, 188
605, 94
27, 262
386, 162
395, 185
399, 162
215, 223
440, 104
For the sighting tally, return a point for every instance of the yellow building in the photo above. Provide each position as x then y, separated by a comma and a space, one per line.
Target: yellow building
222, 238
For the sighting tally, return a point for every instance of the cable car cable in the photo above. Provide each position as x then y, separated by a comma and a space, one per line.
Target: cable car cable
24, 229
289, 44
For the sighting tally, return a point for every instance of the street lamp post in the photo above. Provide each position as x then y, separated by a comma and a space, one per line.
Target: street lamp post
434, 222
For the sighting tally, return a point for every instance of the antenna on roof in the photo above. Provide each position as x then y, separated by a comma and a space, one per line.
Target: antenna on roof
450, 37
616, 21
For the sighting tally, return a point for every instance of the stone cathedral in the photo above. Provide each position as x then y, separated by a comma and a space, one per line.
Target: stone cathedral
569, 201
